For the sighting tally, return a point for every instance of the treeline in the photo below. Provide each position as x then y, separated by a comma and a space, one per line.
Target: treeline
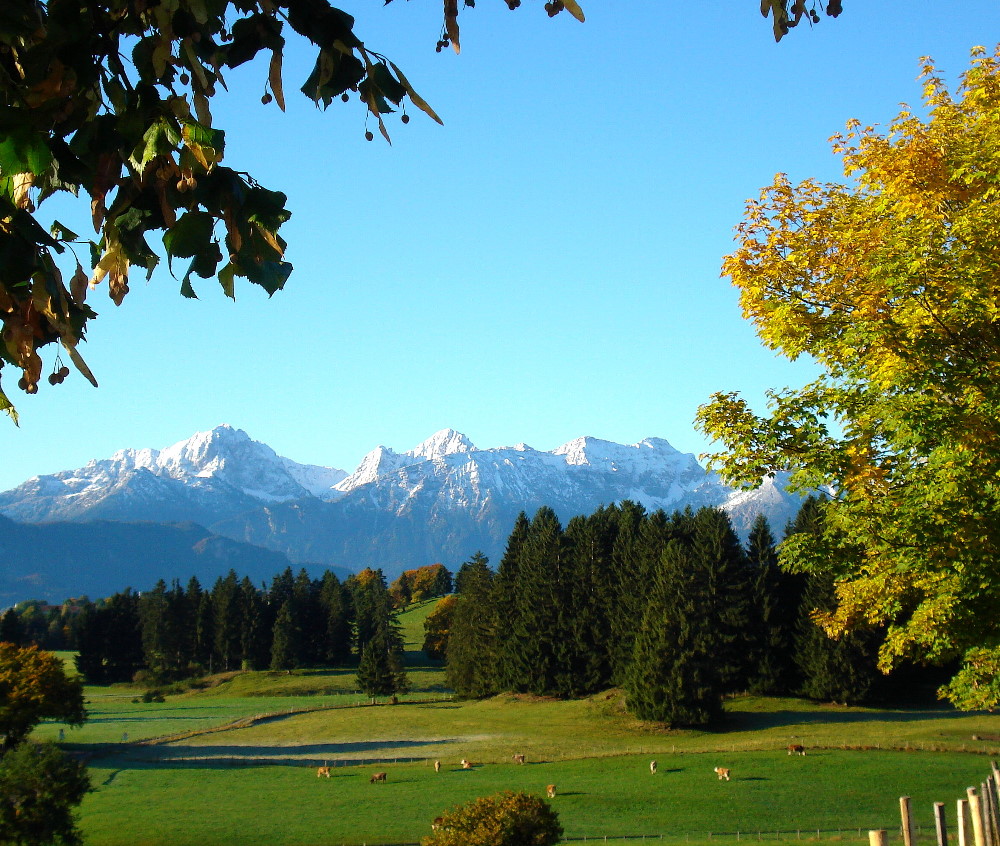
672, 608
175, 632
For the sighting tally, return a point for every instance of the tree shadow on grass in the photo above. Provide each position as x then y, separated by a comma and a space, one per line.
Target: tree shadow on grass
310, 756
757, 721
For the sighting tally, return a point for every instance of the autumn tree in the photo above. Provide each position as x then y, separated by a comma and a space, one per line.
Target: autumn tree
503, 819
889, 283
113, 100
34, 686
437, 627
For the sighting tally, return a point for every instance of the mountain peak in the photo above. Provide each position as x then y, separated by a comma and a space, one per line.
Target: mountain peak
442, 443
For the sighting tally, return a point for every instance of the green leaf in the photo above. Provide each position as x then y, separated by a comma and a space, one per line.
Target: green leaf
191, 235
63, 233
24, 151
270, 275
7, 406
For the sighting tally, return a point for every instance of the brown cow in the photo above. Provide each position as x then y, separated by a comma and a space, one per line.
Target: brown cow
722, 773
652, 767
550, 791
322, 771
377, 777
518, 758
796, 749
466, 765
438, 822
437, 766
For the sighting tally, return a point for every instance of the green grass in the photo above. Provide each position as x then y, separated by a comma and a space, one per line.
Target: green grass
217, 783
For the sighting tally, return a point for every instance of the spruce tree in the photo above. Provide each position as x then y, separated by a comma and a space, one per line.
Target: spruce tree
381, 671
533, 643
255, 633
335, 608
11, 630
673, 677
587, 612
507, 669
631, 579
774, 612
284, 639
472, 640
227, 623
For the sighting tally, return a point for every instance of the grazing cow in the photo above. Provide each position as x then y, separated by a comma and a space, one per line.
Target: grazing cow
466, 765
322, 771
796, 749
377, 778
437, 766
550, 791
722, 773
652, 767
518, 758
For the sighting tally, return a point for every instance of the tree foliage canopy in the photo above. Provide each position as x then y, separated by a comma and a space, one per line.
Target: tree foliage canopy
113, 98
504, 819
890, 283
39, 787
34, 686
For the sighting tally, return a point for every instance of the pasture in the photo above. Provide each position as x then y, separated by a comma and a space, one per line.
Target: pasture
198, 769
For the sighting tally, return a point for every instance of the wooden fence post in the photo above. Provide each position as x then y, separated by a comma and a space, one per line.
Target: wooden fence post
985, 807
906, 818
962, 813
878, 837
993, 822
975, 811
939, 824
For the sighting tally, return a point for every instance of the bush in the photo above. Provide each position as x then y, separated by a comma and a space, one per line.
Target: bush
39, 787
504, 819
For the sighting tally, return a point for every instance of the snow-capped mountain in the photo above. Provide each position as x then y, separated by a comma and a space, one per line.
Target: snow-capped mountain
440, 501
209, 476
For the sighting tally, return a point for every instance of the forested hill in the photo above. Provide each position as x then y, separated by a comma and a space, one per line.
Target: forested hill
56, 560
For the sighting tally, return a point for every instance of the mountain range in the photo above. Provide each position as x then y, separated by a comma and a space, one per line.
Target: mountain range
438, 502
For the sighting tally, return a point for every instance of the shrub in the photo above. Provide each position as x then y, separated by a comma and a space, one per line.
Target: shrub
504, 819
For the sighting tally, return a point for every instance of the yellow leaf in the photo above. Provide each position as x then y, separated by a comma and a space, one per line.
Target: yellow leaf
574, 9
274, 79
415, 98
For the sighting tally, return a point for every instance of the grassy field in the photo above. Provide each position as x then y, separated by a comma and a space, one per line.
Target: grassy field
234, 763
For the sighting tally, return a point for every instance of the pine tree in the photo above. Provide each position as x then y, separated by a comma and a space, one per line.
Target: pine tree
534, 640
255, 634
335, 606
472, 640
672, 677
774, 611
227, 623
284, 639
630, 571
381, 671
11, 630
506, 670
586, 615
688, 648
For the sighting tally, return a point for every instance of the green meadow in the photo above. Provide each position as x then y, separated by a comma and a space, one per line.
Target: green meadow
234, 762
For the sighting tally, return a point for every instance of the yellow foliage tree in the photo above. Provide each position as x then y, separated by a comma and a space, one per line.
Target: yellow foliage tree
891, 284
34, 686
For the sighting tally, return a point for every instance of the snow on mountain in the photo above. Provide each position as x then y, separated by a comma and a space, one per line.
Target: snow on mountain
216, 471
439, 501
382, 461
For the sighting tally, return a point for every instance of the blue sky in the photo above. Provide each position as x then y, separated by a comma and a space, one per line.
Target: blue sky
543, 266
